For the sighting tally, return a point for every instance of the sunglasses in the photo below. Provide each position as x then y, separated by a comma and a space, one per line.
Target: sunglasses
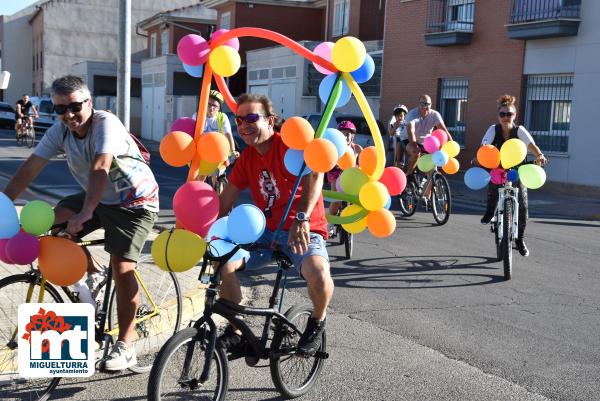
249, 118
425, 104
503, 114
75, 107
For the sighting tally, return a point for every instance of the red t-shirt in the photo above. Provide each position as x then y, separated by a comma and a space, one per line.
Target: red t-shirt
271, 186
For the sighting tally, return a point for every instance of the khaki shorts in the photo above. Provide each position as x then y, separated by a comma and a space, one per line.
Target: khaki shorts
125, 230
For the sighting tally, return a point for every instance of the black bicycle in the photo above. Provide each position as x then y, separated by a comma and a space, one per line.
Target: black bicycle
345, 238
414, 194
25, 135
191, 365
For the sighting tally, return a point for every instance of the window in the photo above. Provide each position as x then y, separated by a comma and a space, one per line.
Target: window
450, 15
341, 17
225, 21
164, 42
453, 106
548, 111
153, 45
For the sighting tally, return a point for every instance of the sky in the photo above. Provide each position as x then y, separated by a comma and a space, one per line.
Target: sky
9, 7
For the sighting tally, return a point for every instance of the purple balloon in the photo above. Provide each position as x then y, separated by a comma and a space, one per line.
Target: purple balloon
23, 248
431, 144
338, 184
184, 124
193, 50
3, 256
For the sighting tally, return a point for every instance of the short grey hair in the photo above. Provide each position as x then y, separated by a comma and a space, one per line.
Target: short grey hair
68, 84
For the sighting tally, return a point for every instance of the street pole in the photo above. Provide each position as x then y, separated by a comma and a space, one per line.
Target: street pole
124, 62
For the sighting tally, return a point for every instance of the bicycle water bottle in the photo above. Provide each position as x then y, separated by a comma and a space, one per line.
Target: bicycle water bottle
85, 295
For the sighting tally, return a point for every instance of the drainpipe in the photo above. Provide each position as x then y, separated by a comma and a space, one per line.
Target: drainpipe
124, 62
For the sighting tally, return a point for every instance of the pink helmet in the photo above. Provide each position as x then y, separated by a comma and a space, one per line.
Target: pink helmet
349, 125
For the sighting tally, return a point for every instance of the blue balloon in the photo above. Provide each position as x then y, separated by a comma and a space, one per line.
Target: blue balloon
9, 219
512, 175
293, 160
388, 203
246, 224
477, 178
338, 139
365, 71
327, 85
439, 158
195, 71
218, 229
220, 247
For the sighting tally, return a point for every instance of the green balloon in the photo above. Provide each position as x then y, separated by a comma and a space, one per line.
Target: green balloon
352, 180
425, 163
37, 217
532, 176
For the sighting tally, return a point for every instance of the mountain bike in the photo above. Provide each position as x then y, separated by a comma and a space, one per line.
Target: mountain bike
157, 318
414, 194
25, 135
345, 238
191, 365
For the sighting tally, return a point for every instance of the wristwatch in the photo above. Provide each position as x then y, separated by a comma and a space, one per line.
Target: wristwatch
301, 216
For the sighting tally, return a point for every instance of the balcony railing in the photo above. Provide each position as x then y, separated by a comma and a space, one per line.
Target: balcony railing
449, 22
537, 19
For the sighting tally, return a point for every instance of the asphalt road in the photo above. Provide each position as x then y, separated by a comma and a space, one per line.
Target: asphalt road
426, 315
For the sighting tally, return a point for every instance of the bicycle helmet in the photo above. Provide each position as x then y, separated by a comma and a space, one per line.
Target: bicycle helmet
217, 96
400, 108
349, 125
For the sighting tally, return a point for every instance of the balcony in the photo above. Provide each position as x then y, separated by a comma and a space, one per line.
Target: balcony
449, 22
541, 19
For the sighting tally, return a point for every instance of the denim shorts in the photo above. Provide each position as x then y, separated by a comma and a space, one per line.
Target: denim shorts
263, 257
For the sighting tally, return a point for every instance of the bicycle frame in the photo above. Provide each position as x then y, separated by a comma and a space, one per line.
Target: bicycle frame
507, 191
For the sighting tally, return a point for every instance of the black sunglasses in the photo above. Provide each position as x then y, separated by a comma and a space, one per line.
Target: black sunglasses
503, 114
75, 107
249, 118
425, 104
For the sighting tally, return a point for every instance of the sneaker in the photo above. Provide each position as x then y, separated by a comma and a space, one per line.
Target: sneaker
311, 339
521, 247
232, 342
487, 217
121, 357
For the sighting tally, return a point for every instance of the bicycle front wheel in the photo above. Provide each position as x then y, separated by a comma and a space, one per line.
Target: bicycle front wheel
30, 138
441, 199
178, 366
16, 290
507, 221
409, 199
348, 244
19, 138
158, 316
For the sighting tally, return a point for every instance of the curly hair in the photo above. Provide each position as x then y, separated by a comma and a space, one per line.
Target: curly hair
506, 101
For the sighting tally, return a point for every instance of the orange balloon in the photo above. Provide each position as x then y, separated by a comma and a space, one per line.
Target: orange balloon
381, 223
62, 261
367, 160
297, 132
452, 166
320, 155
213, 147
177, 148
488, 156
347, 160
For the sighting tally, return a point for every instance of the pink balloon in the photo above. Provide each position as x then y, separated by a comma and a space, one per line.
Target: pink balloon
441, 135
498, 176
431, 144
196, 206
235, 43
184, 124
3, 256
323, 50
193, 50
394, 180
23, 248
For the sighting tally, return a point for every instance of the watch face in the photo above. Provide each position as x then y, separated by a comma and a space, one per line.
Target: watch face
301, 216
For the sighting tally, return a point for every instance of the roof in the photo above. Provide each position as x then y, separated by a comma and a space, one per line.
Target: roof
193, 13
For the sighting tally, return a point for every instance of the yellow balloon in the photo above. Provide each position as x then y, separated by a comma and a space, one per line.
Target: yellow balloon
357, 226
512, 153
225, 61
207, 168
373, 195
451, 148
177, 250
348, 54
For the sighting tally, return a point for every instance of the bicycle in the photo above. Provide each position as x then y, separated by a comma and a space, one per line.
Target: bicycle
414, 193
345, 238
25, 135
190, 364
155, 312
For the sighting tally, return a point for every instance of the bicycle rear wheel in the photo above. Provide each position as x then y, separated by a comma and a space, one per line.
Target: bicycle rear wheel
348, 244
162, 288
13, 292
30, 137
507, 238
409, 199
293, 375
441, 199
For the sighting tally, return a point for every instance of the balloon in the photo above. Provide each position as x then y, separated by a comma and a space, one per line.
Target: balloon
512, 152
234, 43
358, 226
394, 180
381, 223
439, 158
9, 220
320, 155
388, 203
196, 206
326, 86
23, 248
441, 135
373, 195
213, 147
347, 160
338, 184
195, 71
452, 166
54, 251
451, 148
3, 256
425, 163
323, 50
177, 148
225, 61
431, 144
246, 224
207, 168
367, 160
352, 180
296, 133
193, 50
476, 178
338, 139
497, 176
512, 175
293, 161
365, 72
488, 156
348, 54
218, 229
532, 176
37, 217
177, 250
184, 124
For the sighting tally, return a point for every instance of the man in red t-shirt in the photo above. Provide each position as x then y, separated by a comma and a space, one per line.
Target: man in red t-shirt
260, 168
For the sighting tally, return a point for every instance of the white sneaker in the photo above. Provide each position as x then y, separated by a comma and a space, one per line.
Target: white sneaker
121, 357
